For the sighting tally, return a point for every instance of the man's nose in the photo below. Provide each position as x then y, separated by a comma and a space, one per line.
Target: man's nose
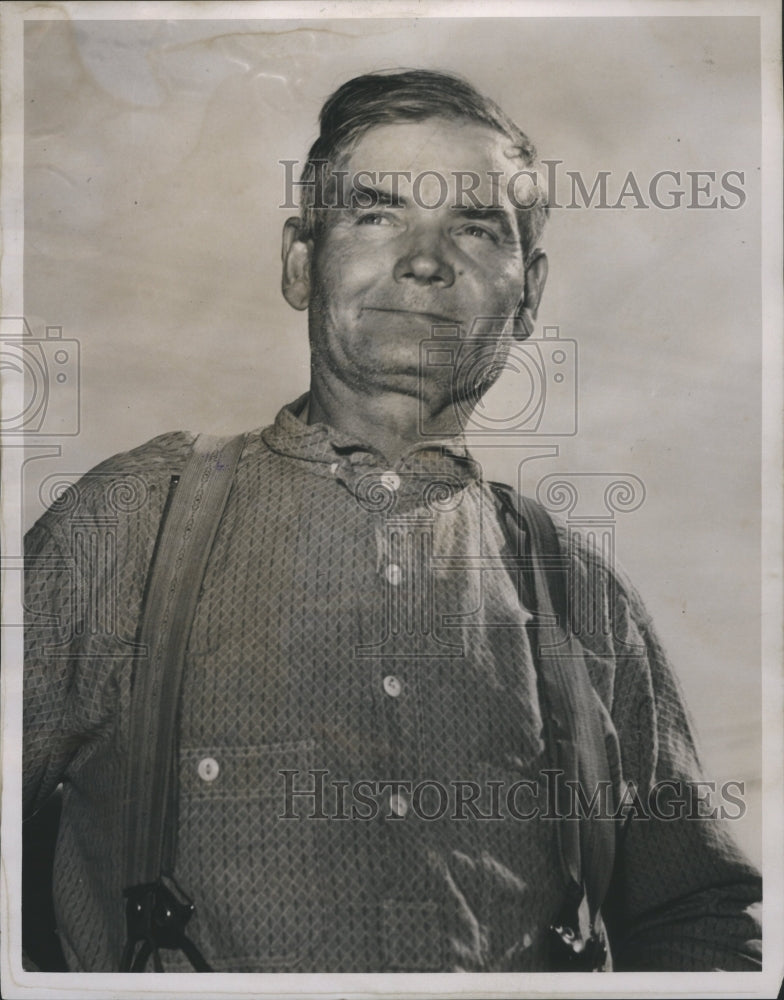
424, 262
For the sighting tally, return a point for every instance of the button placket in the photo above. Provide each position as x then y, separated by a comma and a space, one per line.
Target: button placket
393, 572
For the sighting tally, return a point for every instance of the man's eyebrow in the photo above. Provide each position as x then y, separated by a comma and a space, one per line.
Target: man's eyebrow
379, 196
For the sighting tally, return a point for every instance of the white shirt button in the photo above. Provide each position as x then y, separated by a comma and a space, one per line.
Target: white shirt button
398, 804
391, 480
392, 686
208, 769
393, 573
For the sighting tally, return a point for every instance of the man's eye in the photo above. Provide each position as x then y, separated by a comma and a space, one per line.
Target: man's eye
374, 219
480, 232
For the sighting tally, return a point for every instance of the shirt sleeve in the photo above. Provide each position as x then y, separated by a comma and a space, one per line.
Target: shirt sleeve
683, 896
49, 592
86, 561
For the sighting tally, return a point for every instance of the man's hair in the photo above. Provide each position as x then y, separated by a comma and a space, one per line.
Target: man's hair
388, 98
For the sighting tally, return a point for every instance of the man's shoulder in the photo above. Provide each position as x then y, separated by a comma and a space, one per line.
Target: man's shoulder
594, 569
165, 454
123, 480
130, 482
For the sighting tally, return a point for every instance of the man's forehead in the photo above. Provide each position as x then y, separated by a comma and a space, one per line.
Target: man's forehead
461, 153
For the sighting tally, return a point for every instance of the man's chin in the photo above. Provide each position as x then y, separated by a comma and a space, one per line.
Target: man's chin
378, 360
406, 377
402, 379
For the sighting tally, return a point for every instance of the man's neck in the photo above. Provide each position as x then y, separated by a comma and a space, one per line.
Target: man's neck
390, 422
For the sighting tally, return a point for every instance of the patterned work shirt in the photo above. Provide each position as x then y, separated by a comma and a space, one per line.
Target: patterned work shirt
359, 698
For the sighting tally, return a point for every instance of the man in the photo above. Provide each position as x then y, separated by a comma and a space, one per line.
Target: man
367, 719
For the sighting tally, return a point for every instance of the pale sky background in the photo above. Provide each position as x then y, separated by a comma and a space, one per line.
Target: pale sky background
152, 233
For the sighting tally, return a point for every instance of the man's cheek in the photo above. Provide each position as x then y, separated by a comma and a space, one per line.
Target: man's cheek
352, 265
509, 293
498, 296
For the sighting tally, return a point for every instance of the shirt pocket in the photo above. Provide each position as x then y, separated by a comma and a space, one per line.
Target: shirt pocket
251, 873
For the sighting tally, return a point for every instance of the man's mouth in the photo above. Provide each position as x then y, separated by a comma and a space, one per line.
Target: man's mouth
430, 317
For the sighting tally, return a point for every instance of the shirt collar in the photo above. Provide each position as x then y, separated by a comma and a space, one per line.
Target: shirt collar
331, 452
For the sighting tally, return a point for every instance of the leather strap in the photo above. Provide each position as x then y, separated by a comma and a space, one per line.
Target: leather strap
173, 589
574, 721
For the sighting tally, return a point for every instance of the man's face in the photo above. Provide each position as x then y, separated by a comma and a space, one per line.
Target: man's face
381, 277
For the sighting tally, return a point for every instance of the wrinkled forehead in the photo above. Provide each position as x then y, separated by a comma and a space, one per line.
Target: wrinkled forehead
438, 160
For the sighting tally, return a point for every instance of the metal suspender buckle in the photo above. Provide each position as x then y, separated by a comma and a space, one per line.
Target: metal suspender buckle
572, 948
156, 918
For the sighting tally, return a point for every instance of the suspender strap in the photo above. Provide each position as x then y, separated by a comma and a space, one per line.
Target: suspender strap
173, 588
577, 719
574, 718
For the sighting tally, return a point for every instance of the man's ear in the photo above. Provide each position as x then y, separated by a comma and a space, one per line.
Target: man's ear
535, 279
296, 264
